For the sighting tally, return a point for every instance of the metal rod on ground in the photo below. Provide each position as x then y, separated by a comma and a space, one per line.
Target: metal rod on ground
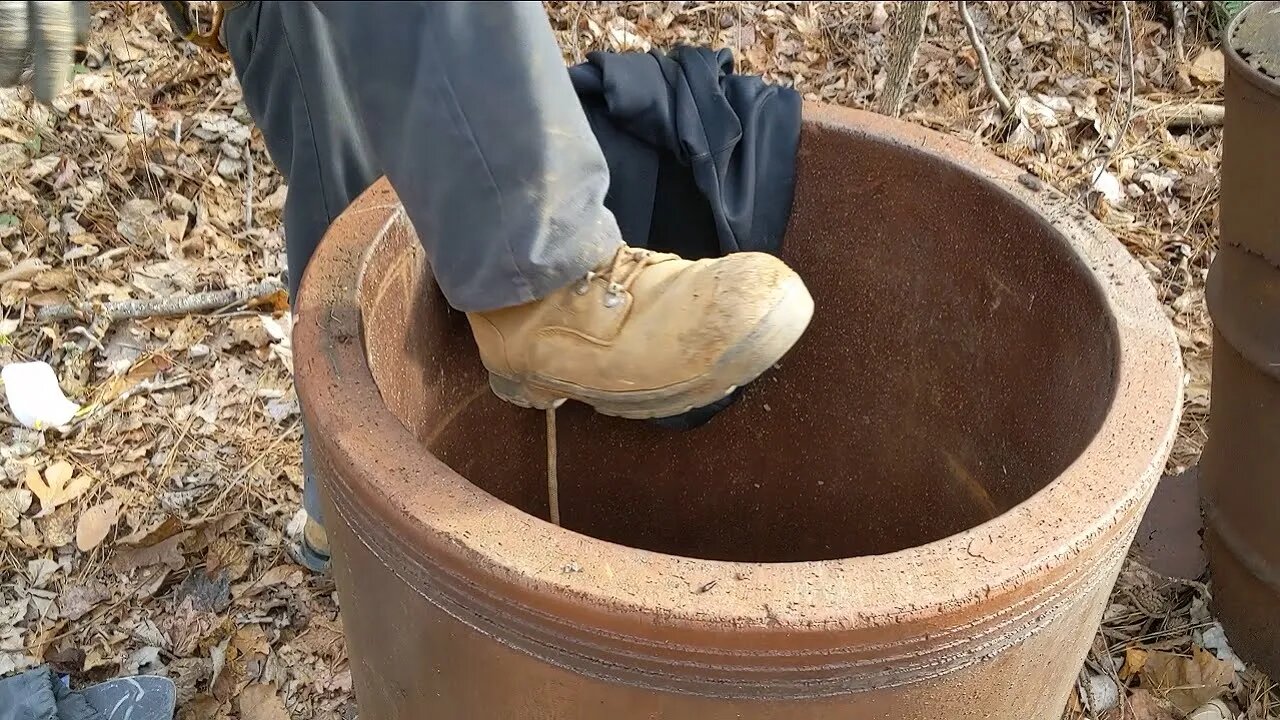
553, 483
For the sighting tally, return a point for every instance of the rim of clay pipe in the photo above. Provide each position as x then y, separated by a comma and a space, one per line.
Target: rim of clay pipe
492, 549
1238, 64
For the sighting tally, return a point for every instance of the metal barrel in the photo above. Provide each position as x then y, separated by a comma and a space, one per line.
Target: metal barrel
1240, 480
918, 514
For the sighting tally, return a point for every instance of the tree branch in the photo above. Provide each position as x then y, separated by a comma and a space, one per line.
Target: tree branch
159, 307
904, 45
984, 60
1184, 115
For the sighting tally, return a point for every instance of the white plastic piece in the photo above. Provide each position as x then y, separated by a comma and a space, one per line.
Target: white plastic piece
1212, 710
35, 398
1109, 185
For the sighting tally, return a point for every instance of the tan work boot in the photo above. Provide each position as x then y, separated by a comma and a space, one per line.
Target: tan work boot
647, 335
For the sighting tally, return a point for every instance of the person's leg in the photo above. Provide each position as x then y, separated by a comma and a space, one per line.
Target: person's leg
323, 157
468, 110
481, 134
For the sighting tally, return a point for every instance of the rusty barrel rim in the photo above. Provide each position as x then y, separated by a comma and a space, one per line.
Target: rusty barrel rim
1238, 64
974, 593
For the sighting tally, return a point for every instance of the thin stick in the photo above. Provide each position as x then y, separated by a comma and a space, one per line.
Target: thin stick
553, 483
1184, 115
1129, 112
984, 60
161, 307
1178, 9
248, 187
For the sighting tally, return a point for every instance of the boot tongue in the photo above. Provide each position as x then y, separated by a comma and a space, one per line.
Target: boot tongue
628, 264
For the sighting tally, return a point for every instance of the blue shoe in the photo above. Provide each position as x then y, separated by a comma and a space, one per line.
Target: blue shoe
142, 697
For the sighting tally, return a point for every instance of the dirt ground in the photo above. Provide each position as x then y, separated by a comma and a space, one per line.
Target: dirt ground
152, 534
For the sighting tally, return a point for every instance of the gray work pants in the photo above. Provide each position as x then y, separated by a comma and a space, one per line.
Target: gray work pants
466, 107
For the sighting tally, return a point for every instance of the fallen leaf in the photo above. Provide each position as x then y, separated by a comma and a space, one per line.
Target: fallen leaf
68, 661
1145, 706
40, 571
41, 167
168, 552
322, 638
60, 528
95, 523
207, 593
1134, 660
218, 660
261, 702
276, 302
187, 674
287, 575
13, 503
41, 642
1186, 682
1209, 67
140, 372
205, 708
213, 530
75, 601
152, 535
879, 16
57, 487
230, 555
24, 270
95, 659
251, 640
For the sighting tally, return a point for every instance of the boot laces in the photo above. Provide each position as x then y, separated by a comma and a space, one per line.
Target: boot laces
621, 273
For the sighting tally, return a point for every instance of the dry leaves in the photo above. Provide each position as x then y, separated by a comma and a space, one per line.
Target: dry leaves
59, 485
1143, 705
261, 702
1187, 682
1209, 67
95, 523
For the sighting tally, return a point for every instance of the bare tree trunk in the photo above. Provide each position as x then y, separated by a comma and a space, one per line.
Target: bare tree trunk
904, 44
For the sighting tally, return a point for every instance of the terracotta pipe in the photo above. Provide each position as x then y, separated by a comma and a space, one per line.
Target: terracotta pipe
1240, 479
919, 514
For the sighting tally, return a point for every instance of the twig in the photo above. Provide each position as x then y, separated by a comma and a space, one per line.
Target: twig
1185, 115
984, 60
553, 481
577, 36
1127, 29
1178, 9
904, 44
24, 270
1131, 61
248, 188
161, 307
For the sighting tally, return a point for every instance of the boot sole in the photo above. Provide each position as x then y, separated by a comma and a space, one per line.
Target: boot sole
776, 334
